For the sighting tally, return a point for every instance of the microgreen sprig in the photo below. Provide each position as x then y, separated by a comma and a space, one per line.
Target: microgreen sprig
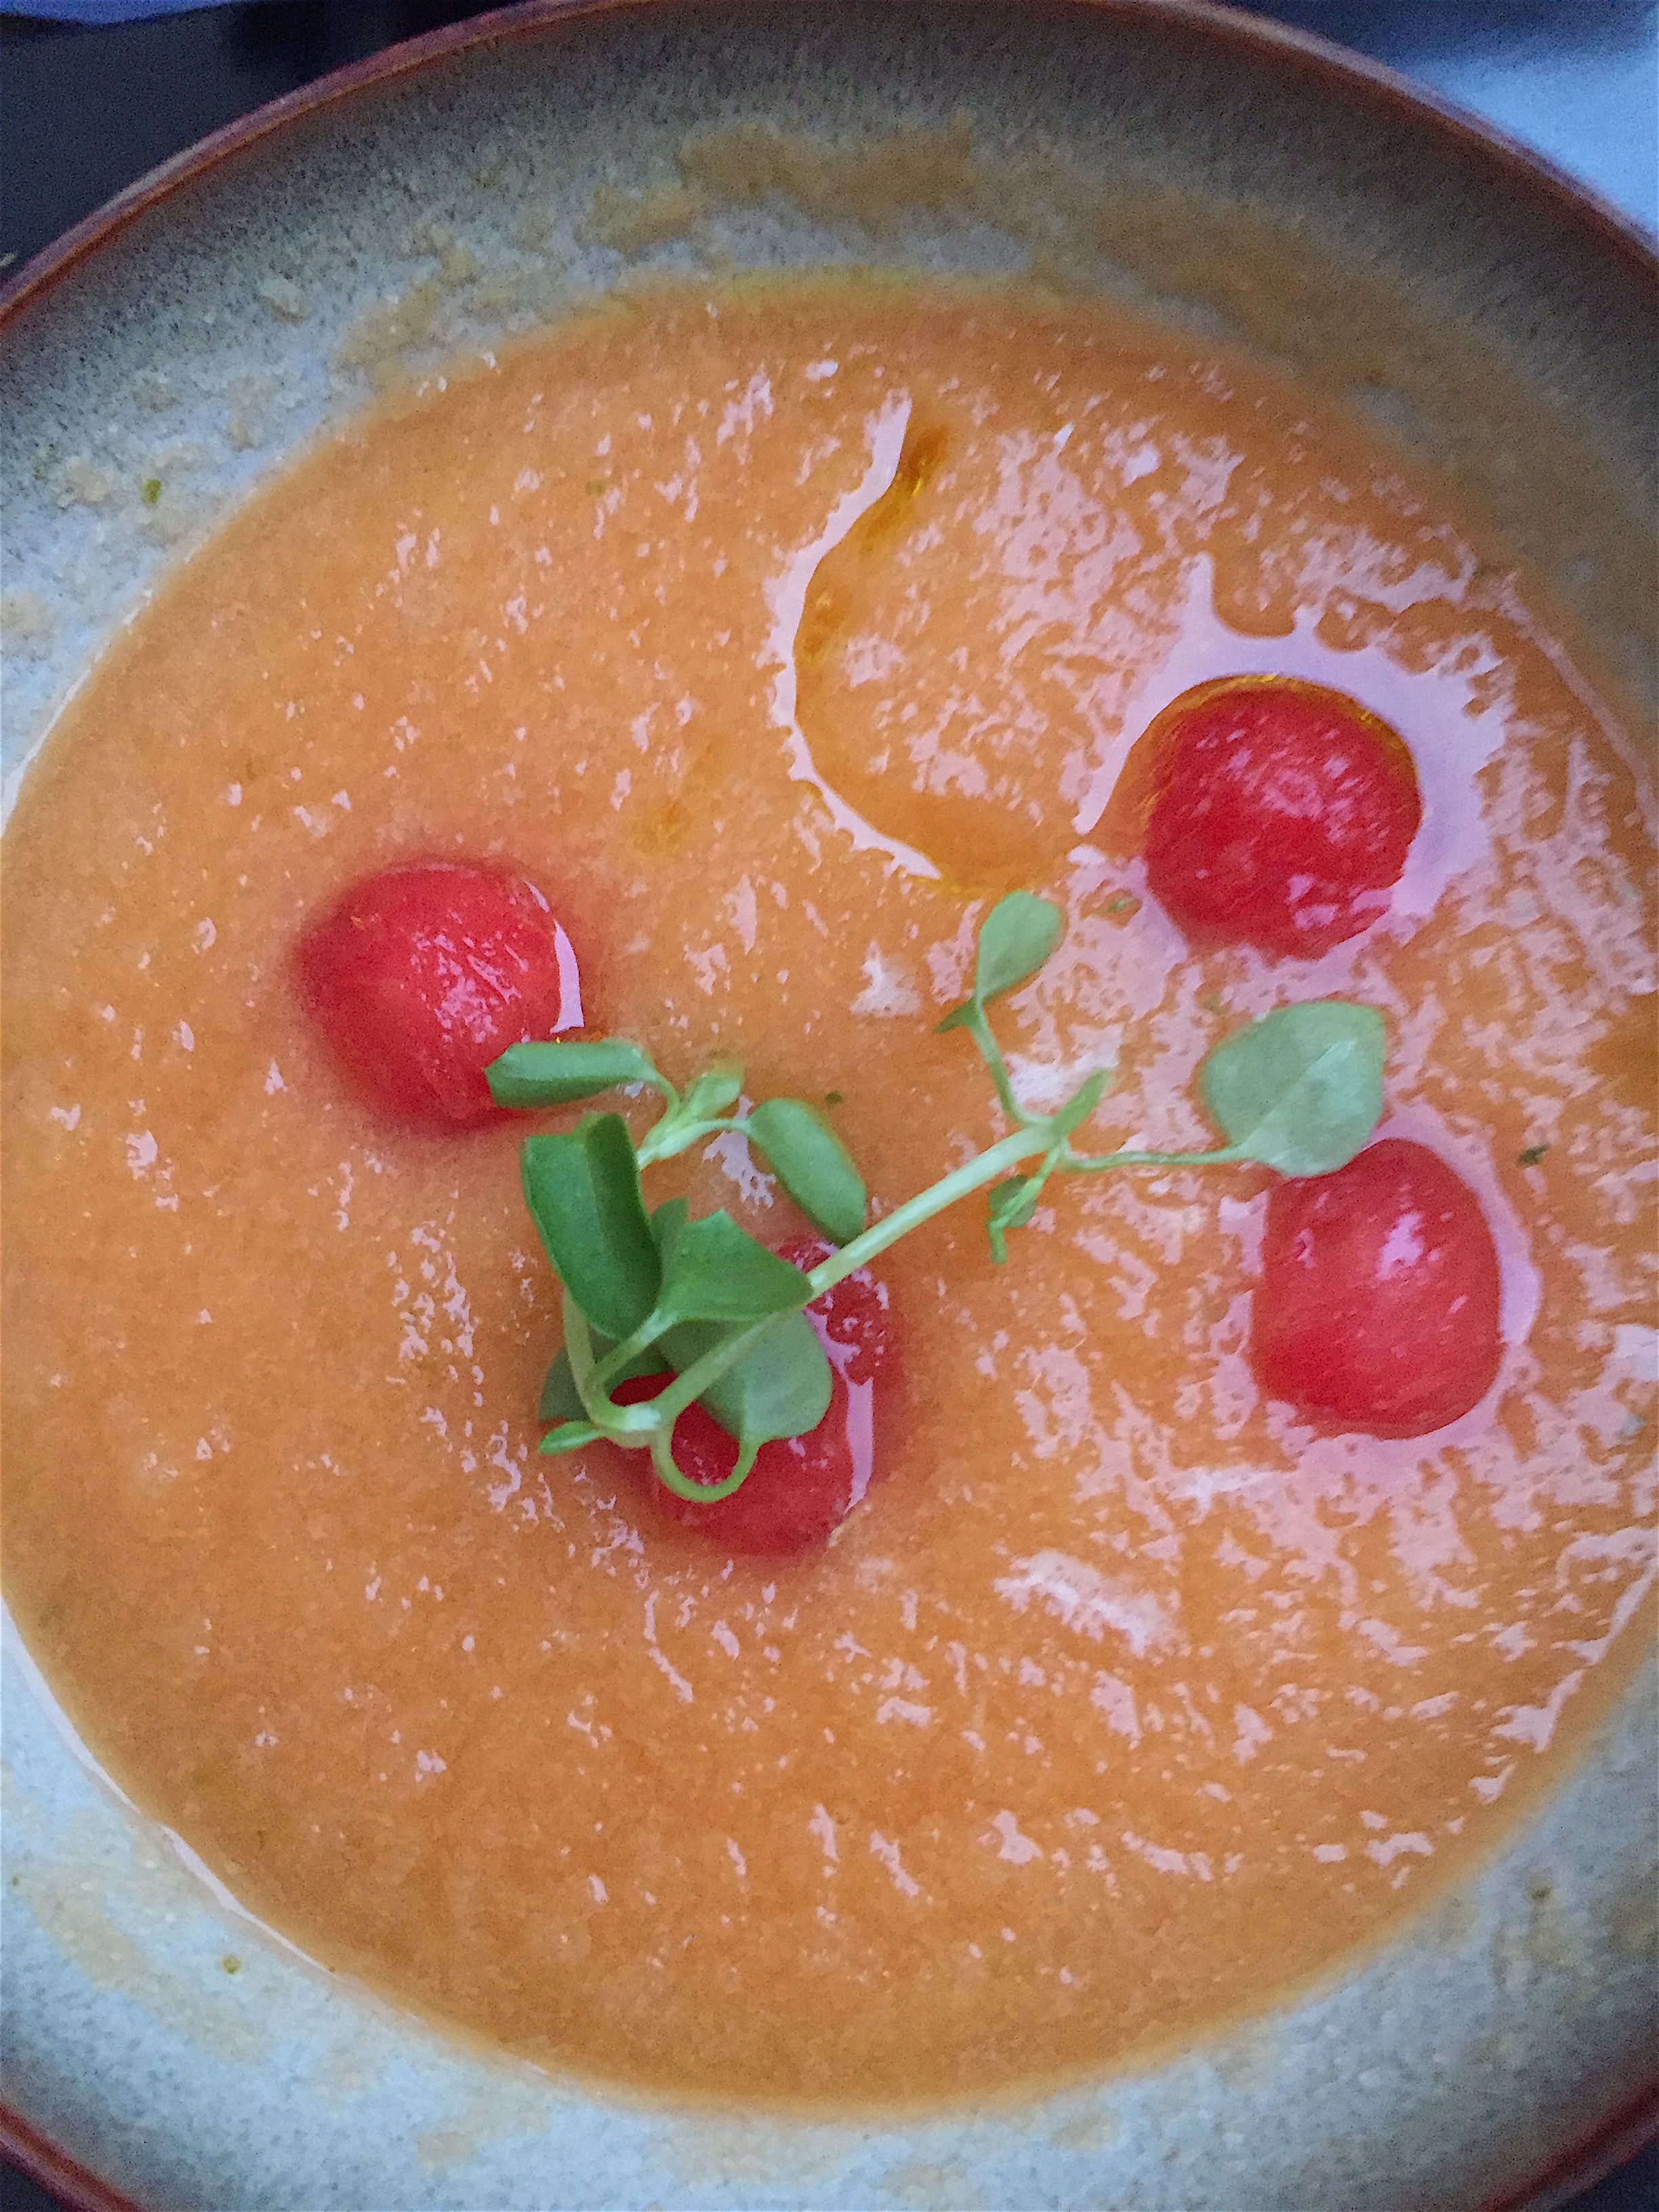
657, 1293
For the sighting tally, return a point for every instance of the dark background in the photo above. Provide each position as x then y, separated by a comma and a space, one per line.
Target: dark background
84, 112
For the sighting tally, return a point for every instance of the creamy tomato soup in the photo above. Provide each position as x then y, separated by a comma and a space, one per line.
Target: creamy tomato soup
1124, 1698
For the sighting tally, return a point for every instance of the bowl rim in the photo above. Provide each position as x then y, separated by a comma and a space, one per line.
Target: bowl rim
1603, 227
1554, 2187
1319, 59
39, 2160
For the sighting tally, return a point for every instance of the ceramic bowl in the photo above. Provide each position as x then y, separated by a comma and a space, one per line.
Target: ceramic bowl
235, 305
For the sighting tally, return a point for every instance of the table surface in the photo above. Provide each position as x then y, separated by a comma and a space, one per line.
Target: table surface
92, 93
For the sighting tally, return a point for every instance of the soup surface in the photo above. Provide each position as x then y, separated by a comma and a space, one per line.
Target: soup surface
1124, 1697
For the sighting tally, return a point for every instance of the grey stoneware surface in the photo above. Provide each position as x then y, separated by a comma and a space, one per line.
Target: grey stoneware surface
202, 345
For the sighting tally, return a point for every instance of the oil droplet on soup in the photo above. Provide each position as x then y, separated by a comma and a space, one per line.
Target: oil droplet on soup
1124, 1699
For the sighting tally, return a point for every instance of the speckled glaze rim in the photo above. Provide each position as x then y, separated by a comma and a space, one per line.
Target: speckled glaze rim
1604, 231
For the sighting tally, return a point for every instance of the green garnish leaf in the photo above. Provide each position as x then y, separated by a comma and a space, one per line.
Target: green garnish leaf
1018, 935
712, 1093
716, 1271
555, 1074
561, 1401
832, 1098
1015, 940
583, 1190
150, 491
1531, 1157
1081, 1103
571, 1437
1011, 1205
666, 1224
780, 1388
1300, 1091
813, 1165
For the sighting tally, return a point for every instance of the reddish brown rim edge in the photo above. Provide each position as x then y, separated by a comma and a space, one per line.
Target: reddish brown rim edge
1614, 2139
1590, 2160
51, 2169
1315, 57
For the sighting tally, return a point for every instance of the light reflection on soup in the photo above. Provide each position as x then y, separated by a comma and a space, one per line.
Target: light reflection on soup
1123, 1700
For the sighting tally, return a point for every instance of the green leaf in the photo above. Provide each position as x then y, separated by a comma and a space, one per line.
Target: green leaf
1017, 936
583, 1190
780, 1388
1014, 1202
561, 1401
1300, 1091
570, 1438
1081, 1103
712, 1093
666, 1224
555, 1074
718, 1272
1015, 940
812, 1165
1011, 1205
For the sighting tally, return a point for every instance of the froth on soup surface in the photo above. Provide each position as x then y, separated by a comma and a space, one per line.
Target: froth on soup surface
1123, 1700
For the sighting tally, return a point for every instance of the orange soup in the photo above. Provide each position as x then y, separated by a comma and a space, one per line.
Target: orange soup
1124, 1698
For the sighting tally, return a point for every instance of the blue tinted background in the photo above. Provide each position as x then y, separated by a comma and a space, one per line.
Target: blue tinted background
1577, 79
